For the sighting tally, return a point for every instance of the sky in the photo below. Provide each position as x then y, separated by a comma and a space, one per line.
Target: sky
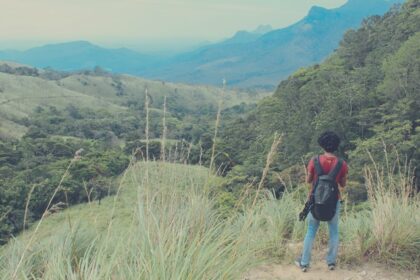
142, 24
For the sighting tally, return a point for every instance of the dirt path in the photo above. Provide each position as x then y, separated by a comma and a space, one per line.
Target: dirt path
319, 271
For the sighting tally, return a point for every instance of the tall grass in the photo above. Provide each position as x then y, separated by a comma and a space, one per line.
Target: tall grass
170, 231
167, 227
22, 255
396, 219
389, 231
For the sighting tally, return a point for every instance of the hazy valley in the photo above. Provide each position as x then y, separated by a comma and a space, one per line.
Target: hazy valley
120, 165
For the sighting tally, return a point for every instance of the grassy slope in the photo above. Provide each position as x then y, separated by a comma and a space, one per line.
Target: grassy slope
20, 95
97, 216
157, 228
134, 87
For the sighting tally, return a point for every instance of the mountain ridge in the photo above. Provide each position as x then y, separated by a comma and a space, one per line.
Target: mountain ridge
274, 55
259, 58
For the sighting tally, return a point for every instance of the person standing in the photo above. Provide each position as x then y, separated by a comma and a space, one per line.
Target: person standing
320, 170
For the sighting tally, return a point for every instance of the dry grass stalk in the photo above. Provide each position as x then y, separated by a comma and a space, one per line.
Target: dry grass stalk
190, 145
146, 106
27, 206
5, 215
244, 194
269, 161
165, 130
122, 180
175, 154
89, 192
218, 118
182, 152
147, 132
201, 155
31, 239
170, 154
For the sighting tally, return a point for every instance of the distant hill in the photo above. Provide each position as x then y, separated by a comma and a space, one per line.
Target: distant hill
260, 58
78, 55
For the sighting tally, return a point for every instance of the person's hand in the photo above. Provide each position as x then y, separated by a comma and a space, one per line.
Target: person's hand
343, 193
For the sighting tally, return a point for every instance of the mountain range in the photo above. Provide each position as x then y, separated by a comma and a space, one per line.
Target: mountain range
79, 55
260, 58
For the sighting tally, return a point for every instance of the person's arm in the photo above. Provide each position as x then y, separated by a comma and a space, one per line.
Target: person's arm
309, 178
343, 178
310, 171
341, 185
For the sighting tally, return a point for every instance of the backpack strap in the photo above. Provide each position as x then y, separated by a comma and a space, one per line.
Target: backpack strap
318, 167
334, 172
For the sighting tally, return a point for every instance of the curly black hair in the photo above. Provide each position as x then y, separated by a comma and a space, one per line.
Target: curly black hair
329, 141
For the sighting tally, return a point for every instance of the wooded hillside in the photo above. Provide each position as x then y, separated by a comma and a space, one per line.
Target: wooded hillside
368, 91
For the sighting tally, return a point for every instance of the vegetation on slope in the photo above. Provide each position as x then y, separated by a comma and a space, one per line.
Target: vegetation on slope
47, 116
368, 91
24, 89
164, 223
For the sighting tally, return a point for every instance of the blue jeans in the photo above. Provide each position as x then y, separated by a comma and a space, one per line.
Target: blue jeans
313, 226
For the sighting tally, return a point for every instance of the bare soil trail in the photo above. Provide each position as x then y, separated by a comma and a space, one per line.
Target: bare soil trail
319, 271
